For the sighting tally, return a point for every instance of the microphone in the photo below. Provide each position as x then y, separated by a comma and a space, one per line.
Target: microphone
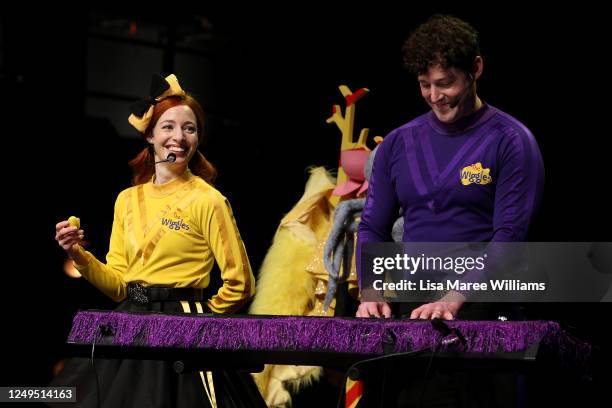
171, 158
452, 104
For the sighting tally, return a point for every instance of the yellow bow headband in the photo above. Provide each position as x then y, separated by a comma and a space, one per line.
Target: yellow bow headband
161, 88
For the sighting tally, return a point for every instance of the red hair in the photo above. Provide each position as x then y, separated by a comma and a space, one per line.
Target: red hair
143, 165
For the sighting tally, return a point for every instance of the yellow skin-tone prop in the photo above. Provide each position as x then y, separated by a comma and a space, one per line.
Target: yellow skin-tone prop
68, 266
74, 222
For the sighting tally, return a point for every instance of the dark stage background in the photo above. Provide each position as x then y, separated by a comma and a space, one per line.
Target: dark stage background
268, 79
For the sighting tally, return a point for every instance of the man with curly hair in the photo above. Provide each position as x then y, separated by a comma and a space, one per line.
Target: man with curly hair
463, 172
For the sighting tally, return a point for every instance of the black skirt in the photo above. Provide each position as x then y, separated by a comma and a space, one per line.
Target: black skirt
153, 383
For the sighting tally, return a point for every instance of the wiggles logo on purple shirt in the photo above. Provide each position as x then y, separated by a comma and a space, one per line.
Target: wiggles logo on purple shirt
476, 174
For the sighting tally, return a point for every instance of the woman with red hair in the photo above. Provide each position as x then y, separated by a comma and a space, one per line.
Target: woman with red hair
168, 231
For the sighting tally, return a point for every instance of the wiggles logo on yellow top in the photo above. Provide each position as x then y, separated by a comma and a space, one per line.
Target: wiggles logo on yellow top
476, 174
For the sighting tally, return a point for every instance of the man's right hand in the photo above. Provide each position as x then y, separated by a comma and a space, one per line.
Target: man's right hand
374, 309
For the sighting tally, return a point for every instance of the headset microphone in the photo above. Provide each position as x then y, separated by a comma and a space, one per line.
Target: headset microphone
452, 104
171, 158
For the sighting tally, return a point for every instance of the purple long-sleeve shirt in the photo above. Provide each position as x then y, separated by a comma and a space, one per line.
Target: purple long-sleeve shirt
431, 170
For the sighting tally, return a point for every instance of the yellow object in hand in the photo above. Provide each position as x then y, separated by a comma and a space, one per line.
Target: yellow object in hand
74, 221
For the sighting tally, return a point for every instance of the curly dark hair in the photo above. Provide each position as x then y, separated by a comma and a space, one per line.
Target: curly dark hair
442, 40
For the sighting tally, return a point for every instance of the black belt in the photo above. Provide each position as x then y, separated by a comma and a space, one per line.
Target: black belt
145, 294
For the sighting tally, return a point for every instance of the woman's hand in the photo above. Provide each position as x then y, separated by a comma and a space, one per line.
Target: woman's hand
68, 235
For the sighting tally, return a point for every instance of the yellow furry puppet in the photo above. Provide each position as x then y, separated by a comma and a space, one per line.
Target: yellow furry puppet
285, 287
293, 279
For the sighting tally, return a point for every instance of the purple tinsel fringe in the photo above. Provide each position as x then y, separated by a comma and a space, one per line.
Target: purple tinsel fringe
343, 335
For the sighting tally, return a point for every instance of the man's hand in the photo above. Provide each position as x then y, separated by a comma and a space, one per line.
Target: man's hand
445, 308
374, 309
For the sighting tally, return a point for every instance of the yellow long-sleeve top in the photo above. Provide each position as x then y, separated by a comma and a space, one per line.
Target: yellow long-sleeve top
170, 235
